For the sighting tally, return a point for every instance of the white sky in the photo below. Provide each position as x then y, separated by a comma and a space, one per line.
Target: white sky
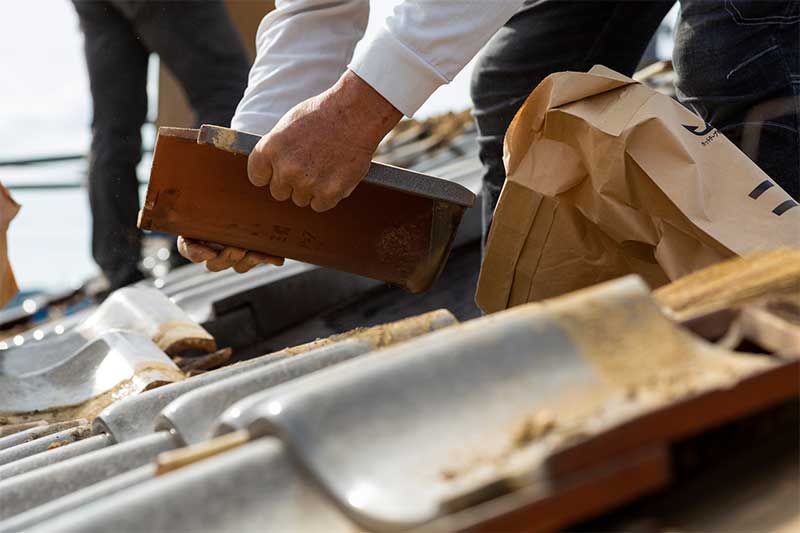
43, 86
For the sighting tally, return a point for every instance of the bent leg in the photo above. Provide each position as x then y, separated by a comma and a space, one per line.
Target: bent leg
546, 37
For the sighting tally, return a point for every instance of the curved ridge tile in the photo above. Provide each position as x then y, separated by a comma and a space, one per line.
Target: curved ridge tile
135, 309
487, 399
192, 415
115, 365
136, 416
150, 313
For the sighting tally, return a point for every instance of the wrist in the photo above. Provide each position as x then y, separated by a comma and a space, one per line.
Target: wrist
360, 104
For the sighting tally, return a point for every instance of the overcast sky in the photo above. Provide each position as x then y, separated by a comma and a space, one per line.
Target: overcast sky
43, 86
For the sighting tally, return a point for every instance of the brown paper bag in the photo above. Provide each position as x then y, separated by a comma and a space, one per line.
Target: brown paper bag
606, 177
8, 210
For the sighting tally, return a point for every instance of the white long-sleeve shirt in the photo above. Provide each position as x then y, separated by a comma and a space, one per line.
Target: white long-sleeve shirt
303, 46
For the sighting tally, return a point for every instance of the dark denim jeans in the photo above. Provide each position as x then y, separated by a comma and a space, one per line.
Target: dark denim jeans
737, 61
200, 46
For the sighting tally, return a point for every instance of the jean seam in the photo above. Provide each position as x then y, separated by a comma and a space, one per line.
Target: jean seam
777, 47
741, 20
737, 68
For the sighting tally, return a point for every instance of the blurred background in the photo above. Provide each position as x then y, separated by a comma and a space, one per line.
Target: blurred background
46, 112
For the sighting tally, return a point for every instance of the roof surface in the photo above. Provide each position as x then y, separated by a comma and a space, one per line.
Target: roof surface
419, 418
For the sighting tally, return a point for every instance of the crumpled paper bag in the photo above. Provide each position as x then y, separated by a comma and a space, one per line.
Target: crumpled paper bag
606, 177
8, 210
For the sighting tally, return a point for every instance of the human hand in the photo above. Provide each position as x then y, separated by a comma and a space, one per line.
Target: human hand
217, 259
322, 148
316, 155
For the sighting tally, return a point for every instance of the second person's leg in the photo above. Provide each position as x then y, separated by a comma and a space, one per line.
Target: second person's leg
117, 64
738, 66
200, 46
546, 37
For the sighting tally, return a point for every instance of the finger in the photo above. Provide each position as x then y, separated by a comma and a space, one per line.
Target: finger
323, 203
226, 259
280, 190
195, 252
259, 166
301, 198
252, 259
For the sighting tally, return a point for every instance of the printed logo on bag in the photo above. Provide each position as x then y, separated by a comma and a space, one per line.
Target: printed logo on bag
707, 129
764, 186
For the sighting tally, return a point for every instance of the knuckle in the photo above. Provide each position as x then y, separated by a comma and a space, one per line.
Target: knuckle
332, 197
248, 261
259, 169
236, 254
336, 188
300, 199
292, 170
224, 255
302, 187
196, 255
279, 190
217, 264
265, 148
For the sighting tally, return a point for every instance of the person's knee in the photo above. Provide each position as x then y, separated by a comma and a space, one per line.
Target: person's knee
723, 62
734, 74
479, 81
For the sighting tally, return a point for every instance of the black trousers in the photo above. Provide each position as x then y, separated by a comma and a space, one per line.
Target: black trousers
737, 62
200, 46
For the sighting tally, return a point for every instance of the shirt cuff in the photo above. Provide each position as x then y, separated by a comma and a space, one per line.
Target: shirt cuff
395, 71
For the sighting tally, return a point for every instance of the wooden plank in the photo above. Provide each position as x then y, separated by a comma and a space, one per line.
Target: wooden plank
733, 283
555, 504
683, 418
617, 466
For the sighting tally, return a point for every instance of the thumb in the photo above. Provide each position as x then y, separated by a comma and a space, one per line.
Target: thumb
259, 166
